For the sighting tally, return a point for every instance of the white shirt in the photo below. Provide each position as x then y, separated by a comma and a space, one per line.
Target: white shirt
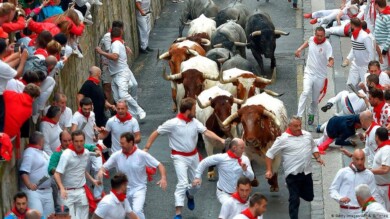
384, 78
111, 208
229, 171
345, 182
296, 152
72, 167
79, 119
362, 49
105, 44
385, 115
116, 127
6, 73
35, 162
318, 57
145, 5
65, 119
182, 136
376, 211
370, 146
241, 216
119, 65
51, 133
133, 166
15, 85
231, 208
382, 157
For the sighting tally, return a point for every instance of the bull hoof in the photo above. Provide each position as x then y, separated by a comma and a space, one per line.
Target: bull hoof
274, 189
255, 183
211, 175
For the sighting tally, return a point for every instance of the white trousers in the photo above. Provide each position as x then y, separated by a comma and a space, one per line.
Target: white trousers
136, 199
77, 203
96, 164
385, 64
383, 193
47, 87
323, 13
41, 200
144, 27
337, 30
185, 171
339, 99
356, 74
311, 85
351, 213
124, 87
222, 196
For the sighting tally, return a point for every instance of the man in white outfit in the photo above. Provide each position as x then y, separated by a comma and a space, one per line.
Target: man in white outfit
50, 127
183, 133
371, 208
345, 181
32, 170
381, 165
361, 53
257, 207
124, 86
320, 56
144, 24
133, 162
60, 99
231, 165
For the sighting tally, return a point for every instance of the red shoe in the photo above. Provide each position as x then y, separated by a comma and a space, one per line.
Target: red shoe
307, 15
313, 21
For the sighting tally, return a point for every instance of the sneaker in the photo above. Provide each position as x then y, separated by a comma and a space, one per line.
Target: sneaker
318, 129
345, 63
190, 201
149, 49
142, 115
313, 21
143, 51
307, 15
310, 121
294, 6
98, 3
178, 216
326, 107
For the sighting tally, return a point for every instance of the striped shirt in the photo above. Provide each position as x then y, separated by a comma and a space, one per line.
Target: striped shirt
382, 31
361, 51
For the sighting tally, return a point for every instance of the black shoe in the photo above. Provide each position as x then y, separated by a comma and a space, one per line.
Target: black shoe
149, 49
326, 107
143, 51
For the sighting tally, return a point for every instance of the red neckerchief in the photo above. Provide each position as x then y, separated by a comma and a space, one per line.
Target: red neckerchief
131, 152
47, 119
23, 81
354, 169
128, 117
384, 143
238, 198
352, 16
248, 214
355, 32
71, 147
377, 110
121, 197
81, 112
367, 31
18, 214
113, 39
288, 131
59, 149
41, 51
379, 86
183, 117
371, 127
94, 80
34, 146
232, 155
319, 42
386, 10
368, 202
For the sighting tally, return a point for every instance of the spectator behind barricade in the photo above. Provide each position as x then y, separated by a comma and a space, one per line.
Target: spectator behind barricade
41, 43
50, 127
63, 40
17, 23
60, 99
19, 207
50, 10
32, 7
7, 12
18, 85
18, 108
54, 48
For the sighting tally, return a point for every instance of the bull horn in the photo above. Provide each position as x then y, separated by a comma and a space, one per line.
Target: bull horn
239, 101
272, 116
164, 55
170, 77
202, 106
272, 93
229, 119
205, 42
187, 23
256, 33
240, 44
192, 52
180, 39
219, 45
263, 80
222, 81
222, 60
211, 77
281, 32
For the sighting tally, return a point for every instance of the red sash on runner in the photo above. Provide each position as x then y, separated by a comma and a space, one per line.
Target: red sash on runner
347, 27
323, 91
186, 154
91, 200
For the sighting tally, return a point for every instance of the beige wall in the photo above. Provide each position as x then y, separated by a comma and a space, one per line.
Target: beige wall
76, 71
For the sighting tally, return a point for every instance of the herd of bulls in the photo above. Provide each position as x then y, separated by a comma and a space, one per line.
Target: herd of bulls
209, 65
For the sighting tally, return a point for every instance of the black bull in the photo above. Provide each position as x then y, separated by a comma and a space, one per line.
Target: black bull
261, 36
